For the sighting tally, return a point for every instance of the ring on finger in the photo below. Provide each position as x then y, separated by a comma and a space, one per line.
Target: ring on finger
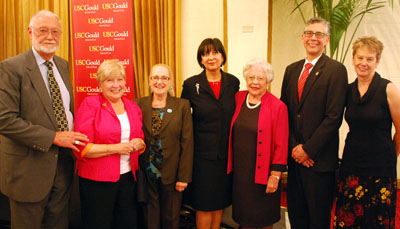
77, 142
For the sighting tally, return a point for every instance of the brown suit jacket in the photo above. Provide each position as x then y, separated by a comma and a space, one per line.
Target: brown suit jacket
176, 139
28, 158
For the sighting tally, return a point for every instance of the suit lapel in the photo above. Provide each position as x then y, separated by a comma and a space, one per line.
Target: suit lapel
205, 85
170, 110
37, 81
314, 75
64, 72
147, 113
224, 84
293, 84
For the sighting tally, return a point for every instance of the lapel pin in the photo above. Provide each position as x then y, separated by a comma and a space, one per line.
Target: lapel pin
197, 88
169, 110
105, 105
317, 73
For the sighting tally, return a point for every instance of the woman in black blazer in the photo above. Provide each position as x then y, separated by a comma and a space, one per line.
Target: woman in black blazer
168, 158
212, 98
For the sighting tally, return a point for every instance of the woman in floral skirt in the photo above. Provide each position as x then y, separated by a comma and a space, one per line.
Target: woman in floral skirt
367, 180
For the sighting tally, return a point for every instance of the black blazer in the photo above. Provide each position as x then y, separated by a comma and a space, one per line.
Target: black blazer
315, 120
211, 116
176, 136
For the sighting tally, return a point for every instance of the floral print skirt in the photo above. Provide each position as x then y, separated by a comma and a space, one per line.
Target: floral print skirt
365, 202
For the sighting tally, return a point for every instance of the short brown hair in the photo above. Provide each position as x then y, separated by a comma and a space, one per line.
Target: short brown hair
371, 43
208, 45
110, 68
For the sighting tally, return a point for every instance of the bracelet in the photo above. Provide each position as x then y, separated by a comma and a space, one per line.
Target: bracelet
276, 176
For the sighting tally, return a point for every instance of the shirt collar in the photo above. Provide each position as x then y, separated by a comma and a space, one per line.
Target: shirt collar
39, 59
313, 62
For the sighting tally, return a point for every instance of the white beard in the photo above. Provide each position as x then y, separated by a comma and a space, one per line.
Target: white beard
42, 48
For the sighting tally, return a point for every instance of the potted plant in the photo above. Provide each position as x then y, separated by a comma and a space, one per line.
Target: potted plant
341, 15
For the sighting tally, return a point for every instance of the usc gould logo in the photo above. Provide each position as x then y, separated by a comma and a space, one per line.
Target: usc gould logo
86, 7
87, 62
115, 34
114, 6
87, 89
86, 35
101, 20
101, 48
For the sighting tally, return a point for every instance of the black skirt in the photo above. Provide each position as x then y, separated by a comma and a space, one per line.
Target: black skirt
211, 187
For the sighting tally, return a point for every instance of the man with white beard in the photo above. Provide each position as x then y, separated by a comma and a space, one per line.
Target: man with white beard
36, 137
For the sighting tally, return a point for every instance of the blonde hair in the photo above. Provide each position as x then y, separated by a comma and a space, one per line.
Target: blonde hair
171, 77
110, 68
371, 43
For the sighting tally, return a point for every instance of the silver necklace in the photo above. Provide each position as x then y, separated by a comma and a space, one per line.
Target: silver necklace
251, 106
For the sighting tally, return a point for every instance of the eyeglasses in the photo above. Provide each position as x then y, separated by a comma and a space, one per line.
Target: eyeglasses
259, 78
162, 78
318, 35
45, 31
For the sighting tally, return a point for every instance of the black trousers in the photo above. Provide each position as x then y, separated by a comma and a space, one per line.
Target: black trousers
109, 204
163, 205
310, 197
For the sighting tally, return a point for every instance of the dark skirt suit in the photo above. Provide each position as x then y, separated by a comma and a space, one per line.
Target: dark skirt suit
108, 198
210, 189
176, 135
258, 144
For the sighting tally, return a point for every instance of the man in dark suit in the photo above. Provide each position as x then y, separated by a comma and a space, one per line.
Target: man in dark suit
314, 90
36, 107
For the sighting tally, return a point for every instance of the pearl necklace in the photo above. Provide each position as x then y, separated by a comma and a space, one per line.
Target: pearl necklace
251, 106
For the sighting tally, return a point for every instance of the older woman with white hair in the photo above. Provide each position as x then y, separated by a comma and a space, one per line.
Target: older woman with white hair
258, 149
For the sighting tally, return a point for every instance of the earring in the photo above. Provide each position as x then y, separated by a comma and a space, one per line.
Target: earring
170, 88
149, 87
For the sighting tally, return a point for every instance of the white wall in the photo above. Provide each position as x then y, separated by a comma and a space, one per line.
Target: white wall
200, 20
247, 34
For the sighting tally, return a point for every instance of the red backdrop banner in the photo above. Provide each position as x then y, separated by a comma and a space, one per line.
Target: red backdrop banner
102, 30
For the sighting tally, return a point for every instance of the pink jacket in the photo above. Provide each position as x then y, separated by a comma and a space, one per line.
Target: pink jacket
97, 119
272, 135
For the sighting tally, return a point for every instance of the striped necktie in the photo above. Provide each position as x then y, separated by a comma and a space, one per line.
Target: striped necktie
303, 79
57, 102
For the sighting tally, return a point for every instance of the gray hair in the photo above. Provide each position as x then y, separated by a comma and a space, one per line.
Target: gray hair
316, 20
267, 67
44, 13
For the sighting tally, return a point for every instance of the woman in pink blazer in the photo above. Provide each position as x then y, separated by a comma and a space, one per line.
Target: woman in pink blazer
106, 164
258, 149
